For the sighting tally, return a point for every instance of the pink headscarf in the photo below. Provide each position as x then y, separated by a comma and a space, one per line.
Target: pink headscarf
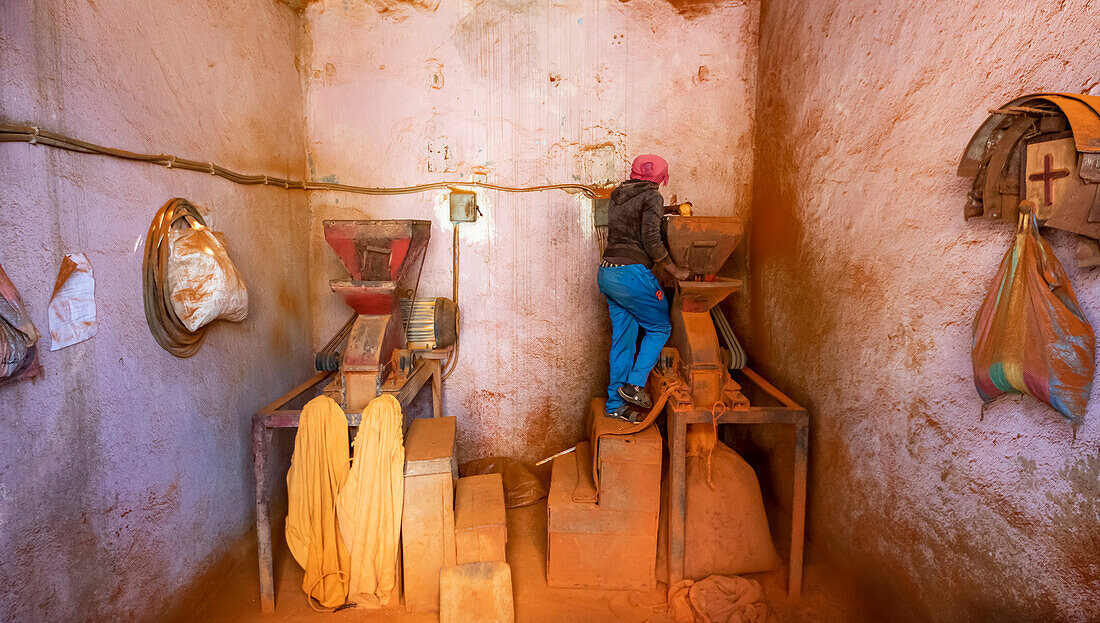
650, 168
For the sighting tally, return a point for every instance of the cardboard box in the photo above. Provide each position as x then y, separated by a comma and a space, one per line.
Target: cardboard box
604, 561
630, 471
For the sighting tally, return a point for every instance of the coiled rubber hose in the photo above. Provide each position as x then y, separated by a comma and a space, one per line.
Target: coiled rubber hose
166, 327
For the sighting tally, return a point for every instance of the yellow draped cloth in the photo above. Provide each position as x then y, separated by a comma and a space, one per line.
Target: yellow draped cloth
318, 469
369, 505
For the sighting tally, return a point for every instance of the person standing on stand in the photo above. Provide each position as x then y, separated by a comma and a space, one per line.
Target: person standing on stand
635, 300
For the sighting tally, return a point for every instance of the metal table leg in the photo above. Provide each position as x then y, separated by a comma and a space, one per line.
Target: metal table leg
437, 388
677, 496
798, 507
261, 442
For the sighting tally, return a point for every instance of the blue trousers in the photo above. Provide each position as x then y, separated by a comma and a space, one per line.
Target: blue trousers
635, 301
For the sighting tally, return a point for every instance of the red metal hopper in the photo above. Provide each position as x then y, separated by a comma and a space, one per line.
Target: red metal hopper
702, 244
384, 258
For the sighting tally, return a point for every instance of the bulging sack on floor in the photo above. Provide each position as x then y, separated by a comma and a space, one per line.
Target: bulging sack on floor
369, 505
726, 528
318, 469
1030, 335
203, 284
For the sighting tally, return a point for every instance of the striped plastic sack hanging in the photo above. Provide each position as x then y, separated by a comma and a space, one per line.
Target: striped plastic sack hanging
1030, 336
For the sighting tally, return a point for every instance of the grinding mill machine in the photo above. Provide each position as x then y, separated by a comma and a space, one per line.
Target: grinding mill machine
693, 373
702, 244
383, 343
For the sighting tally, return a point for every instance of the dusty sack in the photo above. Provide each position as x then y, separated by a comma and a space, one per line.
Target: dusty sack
726, 527
203, 284
72, 309
717, 599
370, 502
1030, 335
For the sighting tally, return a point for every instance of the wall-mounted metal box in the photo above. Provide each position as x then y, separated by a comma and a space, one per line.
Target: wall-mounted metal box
599, 210
463, 206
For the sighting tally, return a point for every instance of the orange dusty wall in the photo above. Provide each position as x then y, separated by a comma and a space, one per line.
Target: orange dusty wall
522, 93
866, 278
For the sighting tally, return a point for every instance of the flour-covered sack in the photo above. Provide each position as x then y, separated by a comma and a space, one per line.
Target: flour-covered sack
203, 284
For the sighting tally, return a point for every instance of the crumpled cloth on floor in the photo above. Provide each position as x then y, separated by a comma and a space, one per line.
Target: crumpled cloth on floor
717, 599
318, 469
369, 505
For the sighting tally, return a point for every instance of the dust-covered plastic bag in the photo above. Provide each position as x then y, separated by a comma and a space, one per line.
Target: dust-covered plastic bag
203, 284
1030, 336
521, 487
18, 337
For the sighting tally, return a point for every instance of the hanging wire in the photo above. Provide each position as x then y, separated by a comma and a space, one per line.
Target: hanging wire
166, 327
452, 360
36, 136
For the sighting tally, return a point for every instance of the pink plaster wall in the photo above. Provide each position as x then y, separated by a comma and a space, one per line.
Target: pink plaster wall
124, 471
865, 281
522, 92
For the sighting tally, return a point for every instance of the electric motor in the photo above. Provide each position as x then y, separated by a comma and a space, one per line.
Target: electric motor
432, 323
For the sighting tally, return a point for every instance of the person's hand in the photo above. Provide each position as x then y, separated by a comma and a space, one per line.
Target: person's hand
681, 274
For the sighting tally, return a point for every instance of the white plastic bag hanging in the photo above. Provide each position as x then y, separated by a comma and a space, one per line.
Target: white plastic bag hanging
203, 284
72, 306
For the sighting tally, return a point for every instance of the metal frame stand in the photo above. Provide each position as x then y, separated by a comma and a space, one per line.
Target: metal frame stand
682, 412
275, 416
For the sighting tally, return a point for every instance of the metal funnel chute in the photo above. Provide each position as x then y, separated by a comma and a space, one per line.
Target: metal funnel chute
700, 296
702, 244
383, 258
379, 250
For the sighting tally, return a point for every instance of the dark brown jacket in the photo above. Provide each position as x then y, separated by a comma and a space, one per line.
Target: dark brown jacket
634, 224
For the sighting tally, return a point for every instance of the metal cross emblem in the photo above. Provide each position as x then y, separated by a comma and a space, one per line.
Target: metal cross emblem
1047, 177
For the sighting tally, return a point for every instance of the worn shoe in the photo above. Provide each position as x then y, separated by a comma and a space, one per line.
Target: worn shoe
623, 414
635, 395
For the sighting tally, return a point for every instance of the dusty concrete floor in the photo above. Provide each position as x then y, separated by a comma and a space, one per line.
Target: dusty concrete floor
236, 598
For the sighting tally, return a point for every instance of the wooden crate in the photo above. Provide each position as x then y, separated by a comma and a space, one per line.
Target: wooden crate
477, 592
630, 471
428, 525
590, 546
430, 447
481, 530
